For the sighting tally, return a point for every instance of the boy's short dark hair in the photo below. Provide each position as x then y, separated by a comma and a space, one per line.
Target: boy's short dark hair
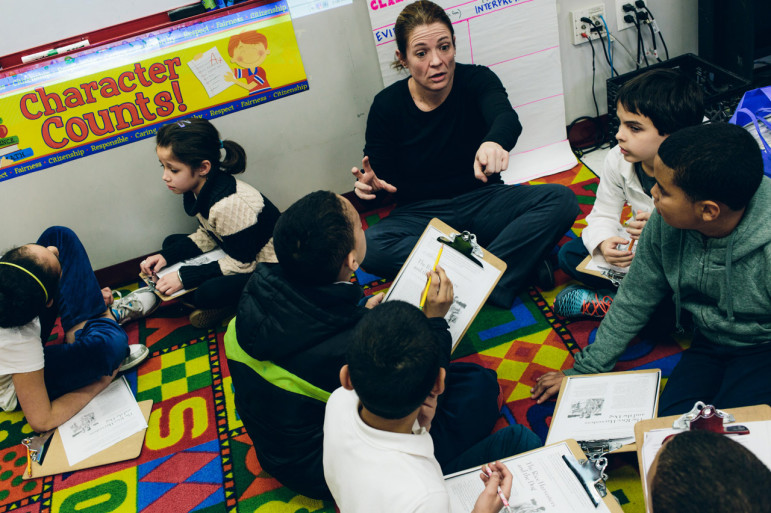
669, 98
312, 238
716, 162
394, 359
702, 471
21, 297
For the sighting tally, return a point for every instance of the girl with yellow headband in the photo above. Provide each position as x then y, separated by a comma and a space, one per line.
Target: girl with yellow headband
38, 283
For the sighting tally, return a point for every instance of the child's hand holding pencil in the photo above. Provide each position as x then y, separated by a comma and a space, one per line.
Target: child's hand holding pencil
438, 294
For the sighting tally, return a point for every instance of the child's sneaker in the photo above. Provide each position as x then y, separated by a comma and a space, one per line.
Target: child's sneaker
209, 318
140, 303
137, 354
576, 302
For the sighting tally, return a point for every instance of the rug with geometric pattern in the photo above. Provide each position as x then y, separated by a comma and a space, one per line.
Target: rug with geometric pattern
197, 455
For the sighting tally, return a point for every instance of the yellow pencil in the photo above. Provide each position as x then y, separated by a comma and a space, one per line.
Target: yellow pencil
428, 283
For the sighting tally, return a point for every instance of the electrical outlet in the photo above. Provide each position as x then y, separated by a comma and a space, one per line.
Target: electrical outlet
620, 13
581, 27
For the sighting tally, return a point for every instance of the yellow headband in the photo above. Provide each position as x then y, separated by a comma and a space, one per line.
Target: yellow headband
30, 273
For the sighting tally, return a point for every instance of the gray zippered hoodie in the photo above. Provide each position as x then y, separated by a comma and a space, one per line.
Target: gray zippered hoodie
725, 283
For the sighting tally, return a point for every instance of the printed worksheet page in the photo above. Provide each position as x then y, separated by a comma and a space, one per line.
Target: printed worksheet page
758, 441
604, 407
542, 483
471, 283
113, 415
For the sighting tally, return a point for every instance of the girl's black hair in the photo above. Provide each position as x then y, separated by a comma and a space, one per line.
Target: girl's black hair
21, 297
194, 140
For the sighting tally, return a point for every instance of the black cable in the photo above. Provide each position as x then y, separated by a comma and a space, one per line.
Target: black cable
594, 96
641, 3
661, 36
640, 43
598, 29
607, 58
653, 39
599, 138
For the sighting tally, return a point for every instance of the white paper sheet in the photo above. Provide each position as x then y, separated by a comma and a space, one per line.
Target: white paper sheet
758, 441
210, 69
209, 256
519, 40
542, 483
602, 407
113, 415
599, 264
469, 281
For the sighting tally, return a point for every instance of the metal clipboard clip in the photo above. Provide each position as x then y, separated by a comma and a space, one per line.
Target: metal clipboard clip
614, 276
684, 421
466, 244
706, 417
590, 473
36, 448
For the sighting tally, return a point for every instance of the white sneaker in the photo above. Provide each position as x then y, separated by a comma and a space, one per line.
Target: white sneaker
137, 354
140, 303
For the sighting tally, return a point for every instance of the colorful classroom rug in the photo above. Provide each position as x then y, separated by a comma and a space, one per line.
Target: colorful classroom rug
198, 457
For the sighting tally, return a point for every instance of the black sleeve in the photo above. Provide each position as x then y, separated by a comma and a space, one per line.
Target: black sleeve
503, 122
443, 337
183, 249
382, 139
193, 275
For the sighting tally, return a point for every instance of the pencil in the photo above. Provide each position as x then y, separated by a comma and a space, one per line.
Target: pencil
428, 283
506, 507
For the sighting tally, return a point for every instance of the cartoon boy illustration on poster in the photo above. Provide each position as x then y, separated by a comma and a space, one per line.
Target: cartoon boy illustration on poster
249, 50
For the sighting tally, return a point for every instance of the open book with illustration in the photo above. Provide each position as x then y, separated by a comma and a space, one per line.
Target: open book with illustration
604, 407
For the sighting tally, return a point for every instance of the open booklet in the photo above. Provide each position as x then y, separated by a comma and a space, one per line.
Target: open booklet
472, 279
543, 481
209, 256
604, 407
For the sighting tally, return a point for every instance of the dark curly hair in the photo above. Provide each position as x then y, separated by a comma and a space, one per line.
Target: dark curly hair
21, 296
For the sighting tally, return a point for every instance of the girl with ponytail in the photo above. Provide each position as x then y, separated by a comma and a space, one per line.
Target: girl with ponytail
232, 215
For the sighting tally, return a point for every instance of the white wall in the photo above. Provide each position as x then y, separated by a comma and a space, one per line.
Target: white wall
115, 200
677, 20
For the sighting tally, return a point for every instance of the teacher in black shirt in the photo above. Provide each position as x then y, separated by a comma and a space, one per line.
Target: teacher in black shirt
438, 141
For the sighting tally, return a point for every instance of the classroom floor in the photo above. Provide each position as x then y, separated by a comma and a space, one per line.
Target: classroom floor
198, 457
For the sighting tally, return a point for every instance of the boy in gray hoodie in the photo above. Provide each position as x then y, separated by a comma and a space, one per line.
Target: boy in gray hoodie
708, 244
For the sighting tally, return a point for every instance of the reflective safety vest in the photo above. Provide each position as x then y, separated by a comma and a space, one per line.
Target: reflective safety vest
269, 371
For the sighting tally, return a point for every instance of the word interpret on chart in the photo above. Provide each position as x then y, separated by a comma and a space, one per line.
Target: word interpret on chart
113, 95
519, 41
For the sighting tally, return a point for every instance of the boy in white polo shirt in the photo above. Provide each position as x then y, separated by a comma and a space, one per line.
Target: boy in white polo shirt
378, 454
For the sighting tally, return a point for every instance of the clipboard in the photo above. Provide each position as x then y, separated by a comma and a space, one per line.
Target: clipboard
582, 267
610, 274
161, 295
465, 260
608, 500
55, 461
204, 258
743, 414
604, 446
